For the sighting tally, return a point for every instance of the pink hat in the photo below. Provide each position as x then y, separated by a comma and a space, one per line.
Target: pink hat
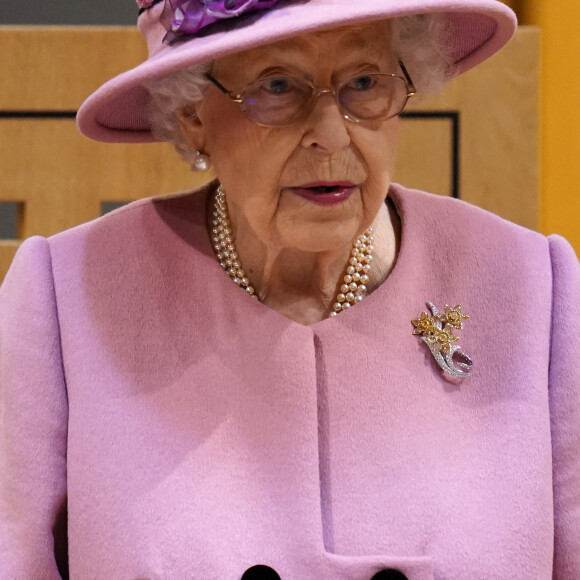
209, 29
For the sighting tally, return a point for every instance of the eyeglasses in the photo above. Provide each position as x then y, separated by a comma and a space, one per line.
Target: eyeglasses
282, 101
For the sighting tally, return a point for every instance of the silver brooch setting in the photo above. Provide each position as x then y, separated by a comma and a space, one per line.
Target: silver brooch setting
436, 331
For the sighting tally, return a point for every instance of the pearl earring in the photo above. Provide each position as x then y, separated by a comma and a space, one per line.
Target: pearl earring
201, 161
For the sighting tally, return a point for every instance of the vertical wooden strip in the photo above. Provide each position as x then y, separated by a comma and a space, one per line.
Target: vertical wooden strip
560, 115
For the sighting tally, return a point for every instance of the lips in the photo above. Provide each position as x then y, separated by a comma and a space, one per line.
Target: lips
325, 192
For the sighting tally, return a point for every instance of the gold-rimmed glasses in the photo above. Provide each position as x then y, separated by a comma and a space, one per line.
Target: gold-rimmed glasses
279, 101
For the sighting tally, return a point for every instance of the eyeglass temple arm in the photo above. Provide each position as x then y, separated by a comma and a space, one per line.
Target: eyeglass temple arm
223, 89
412, 89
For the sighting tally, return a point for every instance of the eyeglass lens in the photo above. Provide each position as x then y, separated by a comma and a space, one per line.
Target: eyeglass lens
281, 101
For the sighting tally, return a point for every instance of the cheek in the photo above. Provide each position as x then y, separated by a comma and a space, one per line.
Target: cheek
243, 152
378, 149
385, 142
248, 160
225, 128
231, 140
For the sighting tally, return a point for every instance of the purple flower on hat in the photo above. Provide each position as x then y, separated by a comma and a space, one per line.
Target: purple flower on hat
190, 16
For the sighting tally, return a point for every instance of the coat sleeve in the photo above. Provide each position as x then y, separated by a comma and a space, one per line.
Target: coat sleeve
33, 421
565, 408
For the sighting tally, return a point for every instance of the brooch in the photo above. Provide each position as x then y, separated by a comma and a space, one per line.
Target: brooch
436, 332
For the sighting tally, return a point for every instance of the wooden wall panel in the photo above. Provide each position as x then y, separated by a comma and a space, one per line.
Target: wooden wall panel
56, 67
7, 250
61, 178
498, 108
425, 154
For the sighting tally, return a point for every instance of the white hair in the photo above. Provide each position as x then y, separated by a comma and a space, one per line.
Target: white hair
419, 41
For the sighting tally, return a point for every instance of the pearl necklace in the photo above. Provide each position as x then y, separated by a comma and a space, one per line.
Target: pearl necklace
353, 289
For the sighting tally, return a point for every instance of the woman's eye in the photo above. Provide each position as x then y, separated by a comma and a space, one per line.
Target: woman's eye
277, 85
362, 83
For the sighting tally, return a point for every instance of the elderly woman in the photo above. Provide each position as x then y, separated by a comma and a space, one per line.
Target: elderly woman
323, 422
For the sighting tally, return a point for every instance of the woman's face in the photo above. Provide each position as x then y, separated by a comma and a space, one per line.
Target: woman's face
264, 170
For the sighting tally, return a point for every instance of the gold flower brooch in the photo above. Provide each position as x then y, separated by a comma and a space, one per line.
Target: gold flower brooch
436, 331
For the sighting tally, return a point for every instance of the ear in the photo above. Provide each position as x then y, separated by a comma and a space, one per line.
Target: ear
191, 126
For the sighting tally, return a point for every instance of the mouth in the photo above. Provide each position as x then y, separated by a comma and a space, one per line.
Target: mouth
325, 193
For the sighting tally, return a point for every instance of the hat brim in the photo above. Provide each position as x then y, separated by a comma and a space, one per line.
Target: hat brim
118, 111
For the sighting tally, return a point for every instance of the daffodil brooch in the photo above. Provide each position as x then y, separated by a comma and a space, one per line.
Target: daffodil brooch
436, 331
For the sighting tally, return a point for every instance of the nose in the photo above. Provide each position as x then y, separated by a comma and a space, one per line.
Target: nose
326, 129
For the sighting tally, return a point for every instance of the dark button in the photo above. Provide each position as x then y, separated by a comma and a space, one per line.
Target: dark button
260, 572
389, 574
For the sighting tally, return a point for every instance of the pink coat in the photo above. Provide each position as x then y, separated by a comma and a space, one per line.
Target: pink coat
192, 432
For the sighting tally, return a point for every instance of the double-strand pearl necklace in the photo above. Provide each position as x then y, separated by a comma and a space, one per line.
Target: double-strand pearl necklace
353, 289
